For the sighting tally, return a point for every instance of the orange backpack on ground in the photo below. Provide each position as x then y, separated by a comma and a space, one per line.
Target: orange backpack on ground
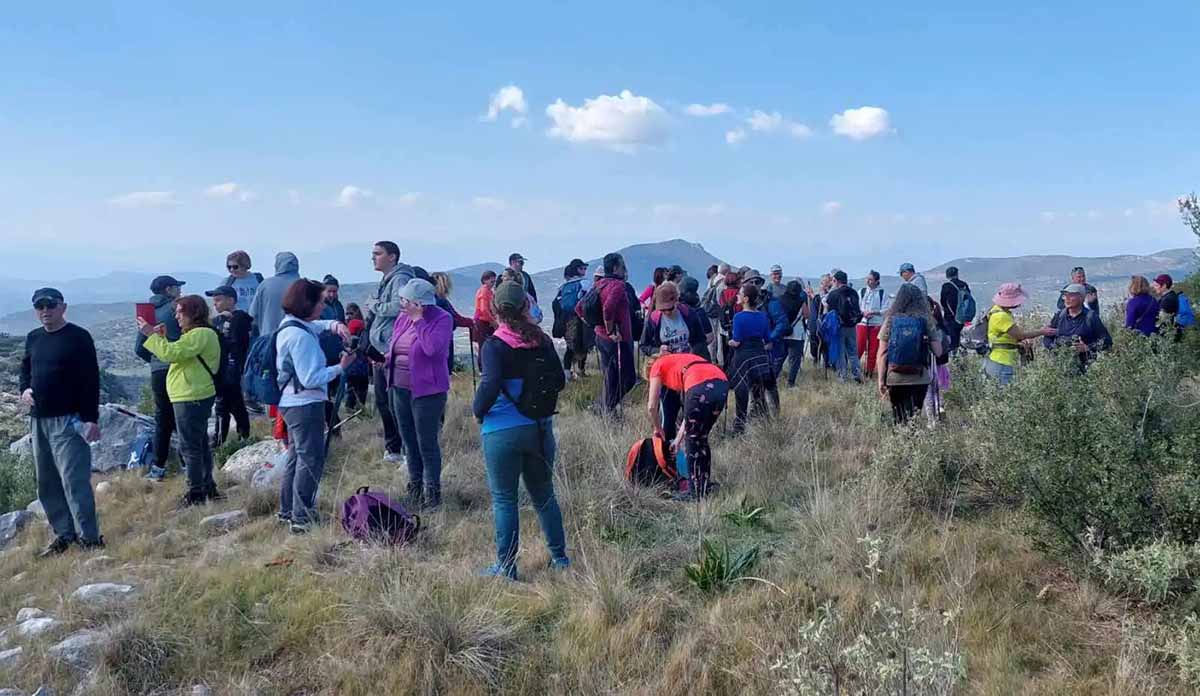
649, 464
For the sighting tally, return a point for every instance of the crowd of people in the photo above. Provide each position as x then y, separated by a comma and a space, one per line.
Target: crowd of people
694, 340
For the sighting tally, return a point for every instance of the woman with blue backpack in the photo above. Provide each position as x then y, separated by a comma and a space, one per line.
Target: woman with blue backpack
515, 404
907, 338
567, 324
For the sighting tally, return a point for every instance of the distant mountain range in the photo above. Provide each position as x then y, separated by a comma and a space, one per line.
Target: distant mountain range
107, 301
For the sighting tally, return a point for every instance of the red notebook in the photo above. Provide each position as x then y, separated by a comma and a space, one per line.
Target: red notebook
145, 310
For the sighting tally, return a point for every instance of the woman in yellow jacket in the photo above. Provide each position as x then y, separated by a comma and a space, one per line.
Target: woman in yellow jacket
191, 386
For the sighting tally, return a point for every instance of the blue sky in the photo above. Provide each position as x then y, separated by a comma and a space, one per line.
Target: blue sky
143, 136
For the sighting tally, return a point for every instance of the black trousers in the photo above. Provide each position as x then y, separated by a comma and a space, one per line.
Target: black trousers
164, 418
392, 441
907, 400
230, 402
670, 402
331, 414
759, 385
617, 362
702, 405
356, 391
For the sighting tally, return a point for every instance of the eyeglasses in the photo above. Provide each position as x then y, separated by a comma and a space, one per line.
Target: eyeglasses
45, 304
233, 266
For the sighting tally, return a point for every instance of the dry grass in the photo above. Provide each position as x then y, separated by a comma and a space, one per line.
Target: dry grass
344, 619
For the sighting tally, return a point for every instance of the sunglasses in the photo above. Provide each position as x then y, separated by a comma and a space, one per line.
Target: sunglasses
46, 304
233, 266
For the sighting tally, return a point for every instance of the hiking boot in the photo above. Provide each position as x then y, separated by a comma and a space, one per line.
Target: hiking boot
193, 498
433, 498
415, 500
560, 564
156, 474
496, 570
91, 544
57, 547
299, 528
283, 519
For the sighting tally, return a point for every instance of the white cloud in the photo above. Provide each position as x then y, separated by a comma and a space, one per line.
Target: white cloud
703, 110
508, 98
735, 136
410, 198
489, 203
224, 190
772, 122
1048, 216
1128, 212
144, 199
231, 190
831, 208
862, 123
353, 196
624, 122
293, 196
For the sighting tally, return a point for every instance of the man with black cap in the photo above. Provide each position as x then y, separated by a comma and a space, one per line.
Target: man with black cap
166, 289
517, 263
233, 327
60, 383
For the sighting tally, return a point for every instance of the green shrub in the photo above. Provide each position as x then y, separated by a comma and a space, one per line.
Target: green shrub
1182, 644
1154, 573
18, 482
717, 569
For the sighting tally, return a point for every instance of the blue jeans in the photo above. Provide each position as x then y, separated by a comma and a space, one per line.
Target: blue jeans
420, 423
617, 362
1003, 374
848, 360
795, 351
522, 453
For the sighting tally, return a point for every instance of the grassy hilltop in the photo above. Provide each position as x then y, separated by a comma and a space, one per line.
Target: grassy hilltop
844, 578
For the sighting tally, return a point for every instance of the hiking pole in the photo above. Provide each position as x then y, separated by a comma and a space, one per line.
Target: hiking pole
338, 398
474, 386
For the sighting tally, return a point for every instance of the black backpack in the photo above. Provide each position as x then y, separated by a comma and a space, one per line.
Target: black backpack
226, 372
593, 309
542, 378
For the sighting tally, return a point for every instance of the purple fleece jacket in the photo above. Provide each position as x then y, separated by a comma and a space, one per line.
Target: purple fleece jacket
429, 360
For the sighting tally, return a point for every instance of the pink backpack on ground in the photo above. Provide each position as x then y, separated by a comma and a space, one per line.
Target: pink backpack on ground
374, 517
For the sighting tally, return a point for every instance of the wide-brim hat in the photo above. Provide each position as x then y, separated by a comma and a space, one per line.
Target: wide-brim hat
1010, 295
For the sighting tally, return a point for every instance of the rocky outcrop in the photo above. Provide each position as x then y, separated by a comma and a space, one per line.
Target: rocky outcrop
11, 525
119, 426
260, 464
79, 649
224, 521
103, 592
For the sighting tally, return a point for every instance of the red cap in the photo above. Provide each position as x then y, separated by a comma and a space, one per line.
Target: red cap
1164, 279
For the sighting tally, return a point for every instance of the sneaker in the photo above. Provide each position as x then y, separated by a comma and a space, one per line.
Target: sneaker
300, 527
560, 564
393, 457
59, 546
156, 474
283, 519
91, 544
496, 570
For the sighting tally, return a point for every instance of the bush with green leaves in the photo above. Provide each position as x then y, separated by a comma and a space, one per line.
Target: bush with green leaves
718, 568
18, 482
1154, 573
1182, 644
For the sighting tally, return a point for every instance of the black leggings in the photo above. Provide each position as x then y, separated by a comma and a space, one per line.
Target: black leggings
231, 403
702, 404
907, 400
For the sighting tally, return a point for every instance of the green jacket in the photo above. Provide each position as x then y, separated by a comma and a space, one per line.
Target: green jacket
187, 379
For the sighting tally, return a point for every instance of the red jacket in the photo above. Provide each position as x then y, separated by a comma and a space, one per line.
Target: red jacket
614, 303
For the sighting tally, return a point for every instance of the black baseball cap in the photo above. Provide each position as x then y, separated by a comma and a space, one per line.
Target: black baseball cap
516, 257
51, 294
223, 290
163, 282
330, 280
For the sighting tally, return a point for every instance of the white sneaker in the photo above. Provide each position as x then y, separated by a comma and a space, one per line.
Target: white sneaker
393, 457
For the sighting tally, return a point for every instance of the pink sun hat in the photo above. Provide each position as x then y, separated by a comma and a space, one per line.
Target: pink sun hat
1009, 295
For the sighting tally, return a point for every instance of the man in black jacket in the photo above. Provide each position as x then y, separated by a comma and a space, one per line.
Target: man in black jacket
233, 327
517, 263
844, 302
60, 383
952, 289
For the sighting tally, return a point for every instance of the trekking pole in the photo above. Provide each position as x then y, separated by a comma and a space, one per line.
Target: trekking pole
474, 386
339, 397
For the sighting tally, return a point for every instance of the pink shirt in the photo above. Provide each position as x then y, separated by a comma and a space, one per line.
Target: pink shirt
401, 375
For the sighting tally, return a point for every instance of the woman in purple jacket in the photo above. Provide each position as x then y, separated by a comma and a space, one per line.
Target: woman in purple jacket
1141, 310
418, 377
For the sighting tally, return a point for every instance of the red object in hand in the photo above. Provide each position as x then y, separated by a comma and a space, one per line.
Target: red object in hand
145, 311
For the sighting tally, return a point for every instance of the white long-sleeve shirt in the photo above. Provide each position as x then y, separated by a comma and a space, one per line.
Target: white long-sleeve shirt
298, 352
877, 301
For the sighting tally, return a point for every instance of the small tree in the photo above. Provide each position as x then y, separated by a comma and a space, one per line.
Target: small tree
1189, 210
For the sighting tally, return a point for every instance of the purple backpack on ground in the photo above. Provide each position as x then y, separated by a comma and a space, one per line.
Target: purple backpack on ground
368, 516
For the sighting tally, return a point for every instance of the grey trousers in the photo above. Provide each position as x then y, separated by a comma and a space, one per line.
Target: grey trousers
64, 477
305, 461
